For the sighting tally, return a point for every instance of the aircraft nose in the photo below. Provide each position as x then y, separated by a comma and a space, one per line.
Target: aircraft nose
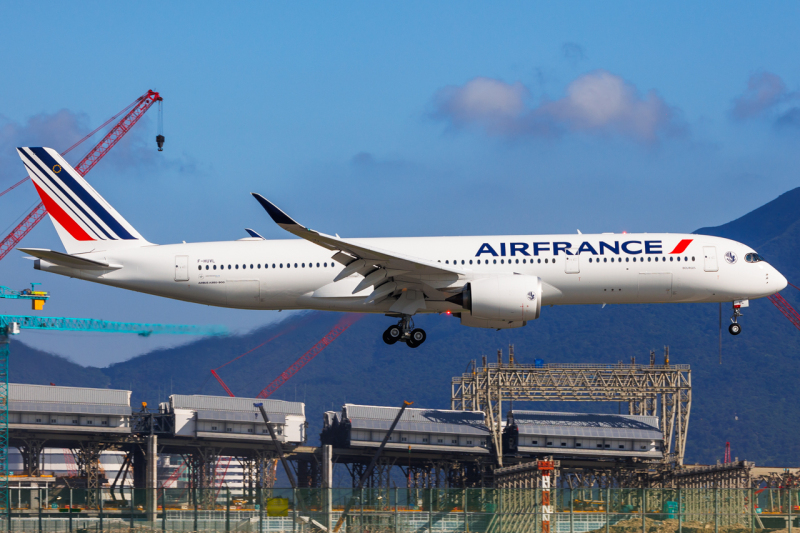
782, 282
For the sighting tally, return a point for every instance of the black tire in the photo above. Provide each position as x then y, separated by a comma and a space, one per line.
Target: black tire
418, 336
411, 344
388, 338
395, 333
735, 329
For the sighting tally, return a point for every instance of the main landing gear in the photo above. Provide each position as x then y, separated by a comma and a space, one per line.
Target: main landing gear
735, 328
404, 331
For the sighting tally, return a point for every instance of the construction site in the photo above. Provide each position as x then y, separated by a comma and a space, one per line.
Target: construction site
84, 459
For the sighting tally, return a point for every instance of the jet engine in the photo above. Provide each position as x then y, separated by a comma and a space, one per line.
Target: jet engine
514, 298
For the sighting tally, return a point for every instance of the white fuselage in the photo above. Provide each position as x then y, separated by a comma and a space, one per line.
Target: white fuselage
574, 269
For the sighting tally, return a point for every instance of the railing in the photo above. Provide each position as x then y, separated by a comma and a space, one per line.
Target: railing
403, 510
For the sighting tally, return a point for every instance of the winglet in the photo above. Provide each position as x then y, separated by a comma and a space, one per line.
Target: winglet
277, 215
253, 233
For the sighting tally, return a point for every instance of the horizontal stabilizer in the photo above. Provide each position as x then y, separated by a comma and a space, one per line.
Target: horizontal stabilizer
69, 261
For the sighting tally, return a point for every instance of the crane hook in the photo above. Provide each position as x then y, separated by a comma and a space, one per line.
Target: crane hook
160, 135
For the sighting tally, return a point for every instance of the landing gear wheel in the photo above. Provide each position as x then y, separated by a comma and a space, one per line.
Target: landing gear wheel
735, 329
418, 336
411, 344
392, 334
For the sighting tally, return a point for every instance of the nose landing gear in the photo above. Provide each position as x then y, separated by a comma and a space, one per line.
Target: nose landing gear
405, 331
735, 328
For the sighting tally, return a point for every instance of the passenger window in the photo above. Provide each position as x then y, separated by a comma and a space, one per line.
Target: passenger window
627, 259
303, 265
295, 265
590, 259
215, 267
462, 261
281, 265
494, 261
517, 261
470, 261
523, 261
692, 258
229, 267
317, 265
649, 259
545, 260
539, 261
605, 259
273, 265
446, 262
199, 267
251, 266
479, 261
671, 259
325, 265
685, 258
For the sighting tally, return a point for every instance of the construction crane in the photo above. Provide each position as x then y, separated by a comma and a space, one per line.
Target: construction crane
13, 324
135, 111
340, 327
37, 298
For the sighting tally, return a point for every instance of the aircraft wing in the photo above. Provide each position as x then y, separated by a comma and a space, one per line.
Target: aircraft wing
367, 260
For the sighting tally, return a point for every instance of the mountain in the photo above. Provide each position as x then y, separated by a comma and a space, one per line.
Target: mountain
749, 400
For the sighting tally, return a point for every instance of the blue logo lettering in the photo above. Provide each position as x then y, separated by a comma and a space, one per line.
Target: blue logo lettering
652, 247
628, 250
486, 249
586, 247
561, 247
521, 247
540, 247
614, 248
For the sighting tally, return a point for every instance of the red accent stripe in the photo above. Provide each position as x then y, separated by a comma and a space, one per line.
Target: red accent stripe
682, 246
62, 217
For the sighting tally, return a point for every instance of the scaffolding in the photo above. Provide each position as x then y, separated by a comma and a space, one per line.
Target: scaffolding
663, 391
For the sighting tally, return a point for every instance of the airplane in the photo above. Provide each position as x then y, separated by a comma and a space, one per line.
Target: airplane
496, 282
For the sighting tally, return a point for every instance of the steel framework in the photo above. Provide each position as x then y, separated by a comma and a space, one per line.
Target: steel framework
664, 391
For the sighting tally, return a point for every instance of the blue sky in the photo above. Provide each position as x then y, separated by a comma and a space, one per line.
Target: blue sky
416, 118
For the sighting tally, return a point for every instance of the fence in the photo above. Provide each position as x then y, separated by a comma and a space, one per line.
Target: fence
403, 510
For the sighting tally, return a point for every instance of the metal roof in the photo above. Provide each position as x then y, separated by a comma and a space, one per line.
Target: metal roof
241, 416
225, 403
589, 425
422, 427
417, 420
69, 408
19, 392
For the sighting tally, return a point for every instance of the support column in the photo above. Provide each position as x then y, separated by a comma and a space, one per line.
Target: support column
327, 483
31, 451
151, 478
87, 459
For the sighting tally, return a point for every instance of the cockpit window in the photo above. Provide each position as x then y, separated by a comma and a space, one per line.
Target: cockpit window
753, 258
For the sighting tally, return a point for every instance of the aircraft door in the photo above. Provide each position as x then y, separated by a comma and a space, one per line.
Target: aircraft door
710, 259
572, 265
181, 268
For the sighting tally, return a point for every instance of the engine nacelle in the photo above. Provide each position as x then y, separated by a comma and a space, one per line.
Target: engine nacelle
507, 298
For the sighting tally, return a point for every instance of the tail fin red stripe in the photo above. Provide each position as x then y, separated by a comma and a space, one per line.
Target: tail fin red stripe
62, 217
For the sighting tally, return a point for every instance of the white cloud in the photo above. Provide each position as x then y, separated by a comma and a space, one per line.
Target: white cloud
599, 103
764, 91
490, 103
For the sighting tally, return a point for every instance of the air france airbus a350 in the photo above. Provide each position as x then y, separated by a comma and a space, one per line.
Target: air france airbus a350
487, 282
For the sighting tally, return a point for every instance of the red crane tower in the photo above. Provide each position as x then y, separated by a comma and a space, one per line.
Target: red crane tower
137, 111
340, 327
